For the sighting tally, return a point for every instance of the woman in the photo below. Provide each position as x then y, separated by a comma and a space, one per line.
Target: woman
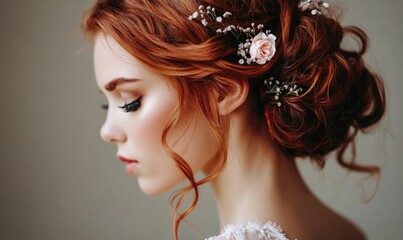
237, 89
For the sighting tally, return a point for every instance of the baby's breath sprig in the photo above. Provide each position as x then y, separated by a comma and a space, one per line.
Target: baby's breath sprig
280, 89
264, 48
315, 6
208, 12
255, 45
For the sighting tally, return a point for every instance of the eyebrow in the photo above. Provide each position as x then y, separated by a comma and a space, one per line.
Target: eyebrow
118, 81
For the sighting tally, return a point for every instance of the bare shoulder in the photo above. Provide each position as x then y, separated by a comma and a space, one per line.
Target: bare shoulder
340, 228
348, 230
325, 223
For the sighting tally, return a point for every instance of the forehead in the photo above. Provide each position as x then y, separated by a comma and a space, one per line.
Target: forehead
112, 61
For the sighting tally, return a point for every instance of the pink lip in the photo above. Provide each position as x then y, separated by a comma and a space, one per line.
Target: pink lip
126, 160
131, 165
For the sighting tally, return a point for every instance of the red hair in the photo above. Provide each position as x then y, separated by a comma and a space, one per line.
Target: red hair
341, 95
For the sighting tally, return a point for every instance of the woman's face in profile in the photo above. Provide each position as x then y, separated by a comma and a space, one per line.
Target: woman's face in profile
140, 106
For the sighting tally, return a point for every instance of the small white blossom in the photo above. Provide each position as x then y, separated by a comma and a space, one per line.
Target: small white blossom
241, 61
315, 6
201, 7
195, 15
219, 19
190, 17
227, 14
219, 31
204, 22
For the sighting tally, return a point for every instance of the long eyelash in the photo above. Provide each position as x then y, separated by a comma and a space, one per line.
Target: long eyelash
131, 107
105, 106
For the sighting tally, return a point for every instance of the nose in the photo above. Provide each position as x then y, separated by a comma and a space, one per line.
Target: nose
112, 132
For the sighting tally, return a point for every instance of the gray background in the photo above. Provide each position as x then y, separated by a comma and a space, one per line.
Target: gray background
58, 180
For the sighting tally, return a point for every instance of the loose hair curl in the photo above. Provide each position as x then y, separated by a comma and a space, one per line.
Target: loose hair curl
341, 96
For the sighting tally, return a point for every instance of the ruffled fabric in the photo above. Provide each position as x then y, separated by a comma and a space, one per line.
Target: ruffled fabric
251, 231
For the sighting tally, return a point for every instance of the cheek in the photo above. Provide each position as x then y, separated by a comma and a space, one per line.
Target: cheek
150, 122
158, 172
193, 140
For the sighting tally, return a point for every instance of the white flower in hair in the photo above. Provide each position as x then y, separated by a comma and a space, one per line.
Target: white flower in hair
227, 14
258, 47
315, 6
263, 47
255, 45
278, 89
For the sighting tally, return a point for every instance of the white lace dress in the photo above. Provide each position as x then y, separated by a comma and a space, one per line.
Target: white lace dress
251, 231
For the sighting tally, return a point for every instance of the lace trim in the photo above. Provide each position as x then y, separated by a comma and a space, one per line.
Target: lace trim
266, 231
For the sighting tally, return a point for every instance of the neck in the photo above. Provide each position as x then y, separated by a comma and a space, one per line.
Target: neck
258, 183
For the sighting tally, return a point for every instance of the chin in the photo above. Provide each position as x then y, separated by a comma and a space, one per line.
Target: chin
155, 188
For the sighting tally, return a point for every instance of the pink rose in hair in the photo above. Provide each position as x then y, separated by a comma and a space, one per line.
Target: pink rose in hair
263, 47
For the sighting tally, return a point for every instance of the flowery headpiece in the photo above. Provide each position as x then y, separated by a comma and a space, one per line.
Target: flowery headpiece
315, 6
280, 89
259, 46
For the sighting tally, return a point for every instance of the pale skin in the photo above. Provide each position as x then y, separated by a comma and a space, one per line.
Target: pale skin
258, 183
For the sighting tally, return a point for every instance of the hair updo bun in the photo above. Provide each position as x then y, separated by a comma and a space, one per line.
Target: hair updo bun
341, 96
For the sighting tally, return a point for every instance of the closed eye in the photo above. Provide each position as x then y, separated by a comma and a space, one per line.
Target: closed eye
133, 106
